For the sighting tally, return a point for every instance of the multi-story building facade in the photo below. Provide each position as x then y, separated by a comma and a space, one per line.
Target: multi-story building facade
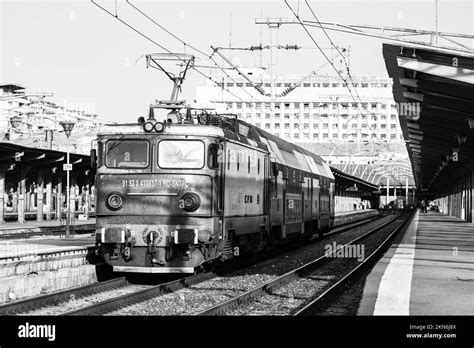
348, 123
320, 109
25, 118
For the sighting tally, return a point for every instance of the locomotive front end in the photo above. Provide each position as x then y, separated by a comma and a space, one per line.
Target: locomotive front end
157, 205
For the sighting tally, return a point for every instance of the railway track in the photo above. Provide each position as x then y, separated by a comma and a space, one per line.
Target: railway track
109, 296
307, 280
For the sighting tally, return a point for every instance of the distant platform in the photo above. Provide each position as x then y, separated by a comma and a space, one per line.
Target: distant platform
35, 228
344, 217
430, 272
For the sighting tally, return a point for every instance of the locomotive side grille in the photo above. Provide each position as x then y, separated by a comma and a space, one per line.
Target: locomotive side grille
229, 245
259, 241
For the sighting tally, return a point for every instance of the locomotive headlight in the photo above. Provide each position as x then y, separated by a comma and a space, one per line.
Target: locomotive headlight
148, 127
159, 126
115, 201
190, 202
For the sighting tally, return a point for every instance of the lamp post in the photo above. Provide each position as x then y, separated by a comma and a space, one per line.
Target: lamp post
67, 126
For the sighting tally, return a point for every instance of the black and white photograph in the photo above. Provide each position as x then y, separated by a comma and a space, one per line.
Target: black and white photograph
203, 172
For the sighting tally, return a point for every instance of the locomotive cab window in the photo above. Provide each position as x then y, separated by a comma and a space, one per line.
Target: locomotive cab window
126, 154
181, 154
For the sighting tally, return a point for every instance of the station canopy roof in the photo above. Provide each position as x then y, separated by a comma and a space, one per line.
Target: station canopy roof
434, 92
13, 157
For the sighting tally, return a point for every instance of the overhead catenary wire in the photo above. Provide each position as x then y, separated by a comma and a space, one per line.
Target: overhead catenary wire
343, 57
332, 65
208, 56
163, 48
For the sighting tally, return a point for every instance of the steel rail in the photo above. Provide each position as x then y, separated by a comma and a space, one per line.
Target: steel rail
54, 298
312, 306
280, 281
140, 296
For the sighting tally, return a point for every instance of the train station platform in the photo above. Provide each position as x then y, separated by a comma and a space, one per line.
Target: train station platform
344, 217
34, 228
34, 247
428, 271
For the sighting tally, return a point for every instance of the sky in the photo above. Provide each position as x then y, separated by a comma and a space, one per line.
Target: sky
88, 59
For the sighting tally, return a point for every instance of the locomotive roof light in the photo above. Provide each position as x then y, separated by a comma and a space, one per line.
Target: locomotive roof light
148, 126
159, 126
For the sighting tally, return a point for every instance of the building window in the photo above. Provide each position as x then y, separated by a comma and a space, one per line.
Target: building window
335, 85
229, 105
296, 135
306, 84
344, 136
267, 115
267, 105
315, 125
296, 105
287, 105
325, 136
383, 136
296, 125
344, 126
287, 126
248, 105
334, 136
230, 84
258, 124
240, 84
248, 116
383, 126
354, 126
393, 126
326, 85
287, 135
334, 125
258, 114
315, 84
306, 126
383, 117
315, 135
277, 115
393, 117
393, 136
277, 126
306, 106
267, 125
238, 105
325, 125
258, 105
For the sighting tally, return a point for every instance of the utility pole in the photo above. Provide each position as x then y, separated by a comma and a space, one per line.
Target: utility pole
436, 22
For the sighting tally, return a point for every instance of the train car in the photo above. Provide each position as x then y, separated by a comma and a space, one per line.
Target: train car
177, 192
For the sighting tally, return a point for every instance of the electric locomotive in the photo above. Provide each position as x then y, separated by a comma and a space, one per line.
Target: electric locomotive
185, 188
